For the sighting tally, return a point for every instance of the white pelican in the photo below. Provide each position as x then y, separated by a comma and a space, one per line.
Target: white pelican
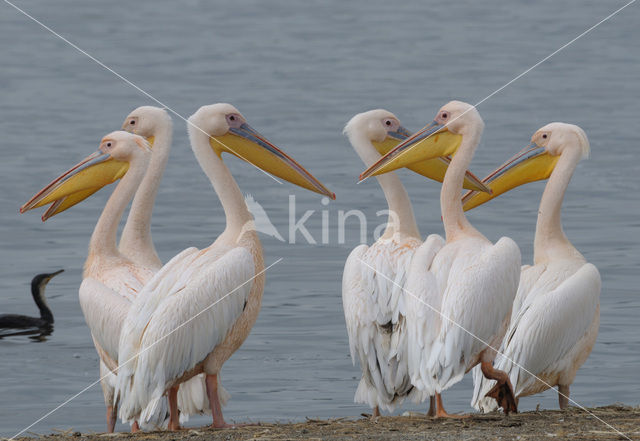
155, 125
110, 280
136, 246
373, 306
200, 307
468, 280
556, 312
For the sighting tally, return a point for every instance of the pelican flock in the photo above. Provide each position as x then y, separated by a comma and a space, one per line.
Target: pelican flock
420, 314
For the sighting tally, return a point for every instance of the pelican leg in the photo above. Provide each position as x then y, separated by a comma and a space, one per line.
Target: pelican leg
563, 396
502, 392
135, 427
112, 417
432, 406
441, 413
376, 413
174, 413
216, 408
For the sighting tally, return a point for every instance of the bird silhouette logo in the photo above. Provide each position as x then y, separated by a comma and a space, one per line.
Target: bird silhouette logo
261, 222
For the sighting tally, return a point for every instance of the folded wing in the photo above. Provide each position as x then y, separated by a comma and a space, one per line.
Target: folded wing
182, 314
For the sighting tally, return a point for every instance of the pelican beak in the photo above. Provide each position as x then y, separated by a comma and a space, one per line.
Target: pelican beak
78, 183
532, 163
250, 146
391, 140
67, 202
433, 168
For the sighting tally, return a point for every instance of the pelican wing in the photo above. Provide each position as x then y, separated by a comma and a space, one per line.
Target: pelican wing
549, 333
479, 289
105, 310
183, 313
374, 308
529, 275
423, 300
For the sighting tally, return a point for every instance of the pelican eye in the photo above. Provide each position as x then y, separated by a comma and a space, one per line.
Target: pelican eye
132, 122
445, 115
234, 120
108, 144
387, 122
545, 136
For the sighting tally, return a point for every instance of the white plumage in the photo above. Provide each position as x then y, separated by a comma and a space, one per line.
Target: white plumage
552, 332
556, 313
471, 283
183, 313
374, 309
105, 307
460, 293
374, 278
111, 279
200, 307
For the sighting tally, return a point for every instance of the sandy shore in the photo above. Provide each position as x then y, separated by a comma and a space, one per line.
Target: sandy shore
573, 424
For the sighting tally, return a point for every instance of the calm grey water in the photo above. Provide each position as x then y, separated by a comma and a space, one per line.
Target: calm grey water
299, 71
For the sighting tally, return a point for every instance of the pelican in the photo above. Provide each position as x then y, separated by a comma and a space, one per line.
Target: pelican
155, 125
200, 307
556, 313
136, 245
460, 292
15, 321
110, 280
373, 306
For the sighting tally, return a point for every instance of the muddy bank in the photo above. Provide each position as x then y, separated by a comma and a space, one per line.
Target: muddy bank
573, 424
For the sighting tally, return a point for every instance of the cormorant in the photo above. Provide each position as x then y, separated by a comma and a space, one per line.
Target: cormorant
16, 321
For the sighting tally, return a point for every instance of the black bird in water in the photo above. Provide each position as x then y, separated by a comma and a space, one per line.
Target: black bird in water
15, 321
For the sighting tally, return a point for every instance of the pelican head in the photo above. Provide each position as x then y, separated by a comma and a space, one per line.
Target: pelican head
229, 132
383, 129
102, 168
146, 121
441, 138
535, 162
